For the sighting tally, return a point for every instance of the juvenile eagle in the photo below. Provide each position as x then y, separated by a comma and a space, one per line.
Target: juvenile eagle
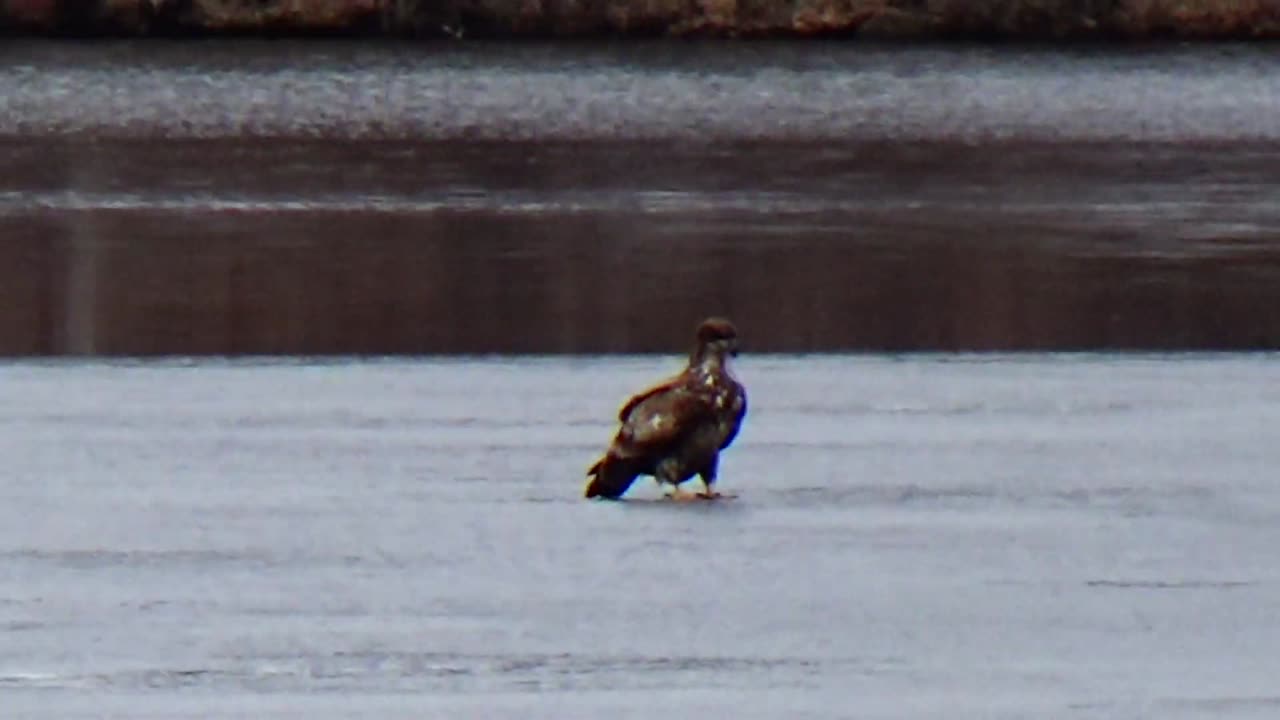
677, 429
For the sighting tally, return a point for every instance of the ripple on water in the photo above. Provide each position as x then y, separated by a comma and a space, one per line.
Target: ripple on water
389, 671
653, 90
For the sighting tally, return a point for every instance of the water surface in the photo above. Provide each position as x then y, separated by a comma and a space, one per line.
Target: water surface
286, 197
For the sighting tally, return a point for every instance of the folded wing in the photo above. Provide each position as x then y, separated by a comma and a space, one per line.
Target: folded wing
658, 418
738, 410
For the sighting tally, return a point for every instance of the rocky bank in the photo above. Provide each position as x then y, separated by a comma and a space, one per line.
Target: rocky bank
870, 19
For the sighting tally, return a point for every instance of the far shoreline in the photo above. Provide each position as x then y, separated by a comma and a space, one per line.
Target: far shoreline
1020, 22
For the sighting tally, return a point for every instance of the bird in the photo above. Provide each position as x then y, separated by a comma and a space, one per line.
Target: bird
678, 428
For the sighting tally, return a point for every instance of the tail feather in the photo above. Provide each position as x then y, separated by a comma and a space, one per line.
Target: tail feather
610, 478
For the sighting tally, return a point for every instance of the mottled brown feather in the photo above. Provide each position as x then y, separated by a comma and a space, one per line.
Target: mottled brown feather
671, 382
660, 418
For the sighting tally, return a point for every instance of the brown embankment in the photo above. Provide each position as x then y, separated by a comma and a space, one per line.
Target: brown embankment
871, 19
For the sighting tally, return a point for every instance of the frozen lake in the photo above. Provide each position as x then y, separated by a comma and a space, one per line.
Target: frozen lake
1058, 536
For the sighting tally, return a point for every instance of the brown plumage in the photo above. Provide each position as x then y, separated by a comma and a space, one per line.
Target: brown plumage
676, 429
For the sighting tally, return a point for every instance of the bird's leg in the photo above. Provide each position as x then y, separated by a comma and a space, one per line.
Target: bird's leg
708, 477
669, 474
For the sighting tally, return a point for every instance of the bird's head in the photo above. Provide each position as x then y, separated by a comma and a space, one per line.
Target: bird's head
718, 335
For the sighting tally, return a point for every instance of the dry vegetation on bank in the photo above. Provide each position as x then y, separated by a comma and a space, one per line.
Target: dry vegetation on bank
872, 19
